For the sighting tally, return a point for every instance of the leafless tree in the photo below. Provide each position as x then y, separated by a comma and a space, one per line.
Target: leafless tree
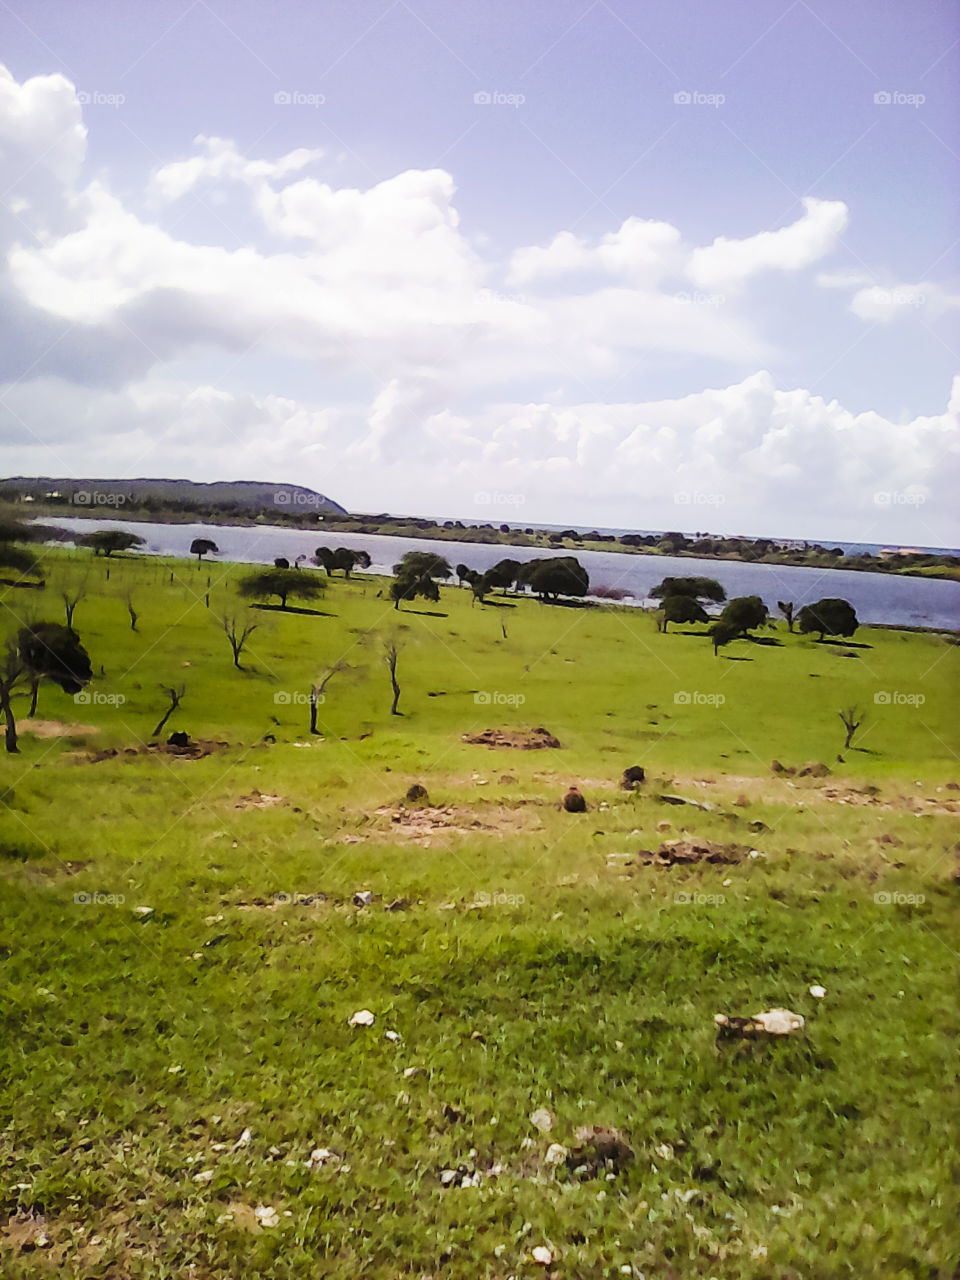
391, 654
786, 607
175, 696
850, 722
317, 691
71, 598
131, 610
238, 632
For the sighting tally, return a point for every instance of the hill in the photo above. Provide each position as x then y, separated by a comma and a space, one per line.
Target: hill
251, 495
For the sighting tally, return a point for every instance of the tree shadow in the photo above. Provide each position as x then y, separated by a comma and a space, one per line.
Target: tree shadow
425, 613
769, 641
845, 644
866, 751
728, 657
292, 608
499, 604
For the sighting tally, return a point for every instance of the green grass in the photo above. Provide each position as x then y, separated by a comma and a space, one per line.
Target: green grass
530, 968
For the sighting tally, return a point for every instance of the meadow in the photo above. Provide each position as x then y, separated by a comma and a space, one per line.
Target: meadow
185, 941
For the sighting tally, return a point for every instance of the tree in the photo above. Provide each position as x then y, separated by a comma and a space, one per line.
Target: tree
721, 633
132, 611
282, 583
41, 651
850, 722
347, 560
15, 557
829, 617
743, 613
698, 588
71, 598
787, 607
423, 564
325, 559
557, 576
104, 542
503, 574
681, 609
238, 632
201, 547
409, 586
462, 571
175, 694
317, 691
281, 562
391, 654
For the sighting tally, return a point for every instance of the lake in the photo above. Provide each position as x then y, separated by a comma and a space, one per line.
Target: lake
877, 597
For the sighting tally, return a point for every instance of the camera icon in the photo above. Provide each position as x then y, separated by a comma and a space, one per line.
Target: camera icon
482, 99
882, 499
81, 498
682, 498
282, 899
82, 899
82, 698
882, 99
282, 699
681, 698
882, 698
682, 99
281, 98
482, 698
882, 899
482, 899
682, 899
282, 498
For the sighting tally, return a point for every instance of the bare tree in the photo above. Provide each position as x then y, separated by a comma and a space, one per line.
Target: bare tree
238, 632
131, 610
786, 607
175, 695
71, 598
317, 691
850, 722
391, 653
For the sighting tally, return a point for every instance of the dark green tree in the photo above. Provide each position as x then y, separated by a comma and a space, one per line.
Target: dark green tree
558, 576
104, 542
201, 547
681, 609
283, 583
828, 617
743, 614
698, 588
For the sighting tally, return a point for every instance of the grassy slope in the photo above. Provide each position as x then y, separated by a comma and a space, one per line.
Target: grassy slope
590, 991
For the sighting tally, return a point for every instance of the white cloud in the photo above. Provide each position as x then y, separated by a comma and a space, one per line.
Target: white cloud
884, 304
640, 251
727, 263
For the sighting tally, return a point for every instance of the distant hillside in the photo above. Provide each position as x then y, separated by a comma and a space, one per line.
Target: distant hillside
248, 495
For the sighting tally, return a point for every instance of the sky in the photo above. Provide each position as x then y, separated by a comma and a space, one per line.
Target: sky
666, 265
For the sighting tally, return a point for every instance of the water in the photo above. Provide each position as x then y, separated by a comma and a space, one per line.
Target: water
877, 597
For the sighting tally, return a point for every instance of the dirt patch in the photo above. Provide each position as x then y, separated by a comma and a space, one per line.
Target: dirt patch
196, 749
257, 800
687, 851
521, 739
55, 729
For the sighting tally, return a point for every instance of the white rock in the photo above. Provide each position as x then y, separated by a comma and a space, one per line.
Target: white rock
556, 1153
665, 1151
321, 1156
542, 1119
205, 1176
818, 992
244, 1138
447, 1176
363, 1018
143, 911
267, 1216
392, 1036
779, 1022
542, 1255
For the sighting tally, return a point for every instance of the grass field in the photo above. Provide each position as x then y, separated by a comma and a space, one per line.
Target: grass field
168, 1072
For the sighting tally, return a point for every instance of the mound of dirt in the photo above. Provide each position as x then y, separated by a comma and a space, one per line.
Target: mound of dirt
686, 851
426, 821
257, 800
522, 739
195, 750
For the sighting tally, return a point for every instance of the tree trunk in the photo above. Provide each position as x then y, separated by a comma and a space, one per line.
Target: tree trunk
34, 690
851, 730
313, 709
396, 692
10, 733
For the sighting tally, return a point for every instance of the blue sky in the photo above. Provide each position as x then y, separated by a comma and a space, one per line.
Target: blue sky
691, 266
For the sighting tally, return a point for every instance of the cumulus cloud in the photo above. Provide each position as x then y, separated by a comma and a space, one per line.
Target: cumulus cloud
728, 263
